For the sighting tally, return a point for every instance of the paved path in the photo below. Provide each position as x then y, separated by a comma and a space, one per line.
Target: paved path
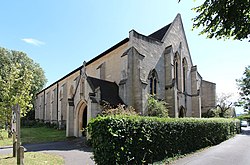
74, 152
235, 151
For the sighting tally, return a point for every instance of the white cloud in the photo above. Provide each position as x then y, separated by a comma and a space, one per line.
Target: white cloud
33, 41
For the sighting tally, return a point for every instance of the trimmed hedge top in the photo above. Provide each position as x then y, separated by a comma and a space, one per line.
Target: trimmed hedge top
142, 140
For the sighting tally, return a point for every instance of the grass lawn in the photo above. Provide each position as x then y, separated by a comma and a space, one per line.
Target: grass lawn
33, 158
41, 134
35, 135
4, 140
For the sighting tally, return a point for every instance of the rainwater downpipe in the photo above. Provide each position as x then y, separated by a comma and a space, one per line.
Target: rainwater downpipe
57, 92
44, 105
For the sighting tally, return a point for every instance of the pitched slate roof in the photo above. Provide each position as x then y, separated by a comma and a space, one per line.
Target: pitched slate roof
159, 34
88, 63
109, 90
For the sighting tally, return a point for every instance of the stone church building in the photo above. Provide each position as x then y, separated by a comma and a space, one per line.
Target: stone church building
159, 63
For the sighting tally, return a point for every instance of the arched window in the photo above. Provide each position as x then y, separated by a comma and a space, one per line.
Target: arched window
153, 81
184, 74
176, 69
176, 73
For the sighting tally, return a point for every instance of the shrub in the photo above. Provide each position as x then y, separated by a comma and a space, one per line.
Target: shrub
218, 112
142, 140
156, 107
244, 117
38, 123
214, 112
107, 109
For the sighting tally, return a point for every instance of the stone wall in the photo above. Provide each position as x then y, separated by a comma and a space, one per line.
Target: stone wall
156, 57
208, 96
52, 104
47, 107
112, 64
196, 90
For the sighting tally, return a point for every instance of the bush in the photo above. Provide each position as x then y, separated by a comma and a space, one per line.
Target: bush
244, 117
142, 140
38, 123
107, 109
218, 112
214, 112
156, 107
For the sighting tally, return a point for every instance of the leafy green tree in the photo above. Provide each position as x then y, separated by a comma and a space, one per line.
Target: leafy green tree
20, 79
244, 90
224, 19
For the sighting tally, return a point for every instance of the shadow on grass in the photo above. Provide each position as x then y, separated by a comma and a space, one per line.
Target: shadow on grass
8, 157
71, 144
5, 147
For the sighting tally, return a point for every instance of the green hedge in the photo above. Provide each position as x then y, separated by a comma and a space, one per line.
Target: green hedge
244, 117
142, 140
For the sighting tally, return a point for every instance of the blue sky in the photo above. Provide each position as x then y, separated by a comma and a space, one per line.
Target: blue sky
61, 34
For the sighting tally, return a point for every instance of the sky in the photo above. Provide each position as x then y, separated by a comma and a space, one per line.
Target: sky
61, 34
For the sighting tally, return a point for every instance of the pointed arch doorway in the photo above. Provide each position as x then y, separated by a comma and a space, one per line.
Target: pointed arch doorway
81, 119
182, 112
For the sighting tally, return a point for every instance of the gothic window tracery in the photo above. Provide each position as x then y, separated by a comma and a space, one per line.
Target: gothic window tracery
176, 69
184, 73
153, 82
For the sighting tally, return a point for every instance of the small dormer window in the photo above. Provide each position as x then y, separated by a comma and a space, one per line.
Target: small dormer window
153, 80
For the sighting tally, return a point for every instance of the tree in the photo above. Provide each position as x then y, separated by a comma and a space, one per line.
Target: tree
224, 19
224, 107
244, 89
20, 79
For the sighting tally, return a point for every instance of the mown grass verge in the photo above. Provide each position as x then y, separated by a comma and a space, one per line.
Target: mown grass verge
35, 135
33, 158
